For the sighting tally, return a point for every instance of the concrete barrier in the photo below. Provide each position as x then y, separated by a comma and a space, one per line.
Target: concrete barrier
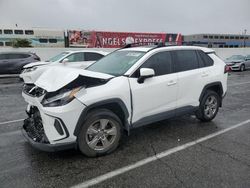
46, 53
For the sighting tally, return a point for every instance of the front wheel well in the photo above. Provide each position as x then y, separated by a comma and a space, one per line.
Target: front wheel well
115, 105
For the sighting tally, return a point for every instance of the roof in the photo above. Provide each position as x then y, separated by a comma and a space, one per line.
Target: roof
88, 50
148, 48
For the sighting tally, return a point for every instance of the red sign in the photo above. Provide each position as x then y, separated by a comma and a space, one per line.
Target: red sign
100, 39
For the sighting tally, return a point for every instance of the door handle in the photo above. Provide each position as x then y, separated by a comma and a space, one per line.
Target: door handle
204, 74
172, 82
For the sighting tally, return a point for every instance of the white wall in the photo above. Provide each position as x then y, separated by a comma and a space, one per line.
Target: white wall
46, 53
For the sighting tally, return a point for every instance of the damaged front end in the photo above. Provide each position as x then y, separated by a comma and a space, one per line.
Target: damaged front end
34, 127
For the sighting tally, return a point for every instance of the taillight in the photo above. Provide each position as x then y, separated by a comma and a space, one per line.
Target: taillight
227, 69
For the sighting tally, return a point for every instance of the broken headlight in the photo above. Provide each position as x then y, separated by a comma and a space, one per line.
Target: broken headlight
59, 98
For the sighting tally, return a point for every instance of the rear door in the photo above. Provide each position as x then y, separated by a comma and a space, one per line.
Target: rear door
190, 78
155, 97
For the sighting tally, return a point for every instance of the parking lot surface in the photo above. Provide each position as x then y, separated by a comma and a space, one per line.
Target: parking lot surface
221, 161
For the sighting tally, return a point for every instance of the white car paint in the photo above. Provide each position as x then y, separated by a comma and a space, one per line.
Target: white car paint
155, 96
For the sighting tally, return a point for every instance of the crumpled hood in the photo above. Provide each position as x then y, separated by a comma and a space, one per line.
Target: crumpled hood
39, 63
57, 77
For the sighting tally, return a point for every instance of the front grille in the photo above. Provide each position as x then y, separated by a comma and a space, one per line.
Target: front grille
34, 127
33, 90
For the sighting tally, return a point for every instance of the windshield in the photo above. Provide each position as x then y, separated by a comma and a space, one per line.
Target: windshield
117, 63
58, 57
236, 57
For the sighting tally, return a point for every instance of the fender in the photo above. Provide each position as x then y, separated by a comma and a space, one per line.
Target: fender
98, 104
211, 85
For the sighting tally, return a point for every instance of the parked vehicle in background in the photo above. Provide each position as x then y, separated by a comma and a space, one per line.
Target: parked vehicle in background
77, 59
131, 87
13, 62
238, 62
247, 62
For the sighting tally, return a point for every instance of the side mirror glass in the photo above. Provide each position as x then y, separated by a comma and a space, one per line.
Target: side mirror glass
65, 60
145, 73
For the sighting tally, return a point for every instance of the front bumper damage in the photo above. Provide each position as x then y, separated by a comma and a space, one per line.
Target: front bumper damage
33, 131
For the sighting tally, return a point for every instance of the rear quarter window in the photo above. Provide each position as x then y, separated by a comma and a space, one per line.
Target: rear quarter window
204, 59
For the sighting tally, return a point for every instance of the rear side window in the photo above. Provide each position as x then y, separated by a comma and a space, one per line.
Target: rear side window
90, 56
204, 59
185, 60
160, 62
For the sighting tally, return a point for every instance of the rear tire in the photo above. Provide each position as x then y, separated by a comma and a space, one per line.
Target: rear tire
209, 106
100, 133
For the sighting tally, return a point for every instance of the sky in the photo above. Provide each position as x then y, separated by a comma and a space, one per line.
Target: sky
170, 16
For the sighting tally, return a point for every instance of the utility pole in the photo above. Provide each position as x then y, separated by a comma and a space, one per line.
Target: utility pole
245, 32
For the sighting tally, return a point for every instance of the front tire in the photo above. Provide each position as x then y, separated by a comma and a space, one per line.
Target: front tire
209, 106
242, 67
100, 133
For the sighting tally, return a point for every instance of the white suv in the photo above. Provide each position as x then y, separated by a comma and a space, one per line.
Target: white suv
131, 87
77, 59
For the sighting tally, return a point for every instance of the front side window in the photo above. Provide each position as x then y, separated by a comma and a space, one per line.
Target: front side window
160, 62
58, 57
76, 57
116, 63
185, 60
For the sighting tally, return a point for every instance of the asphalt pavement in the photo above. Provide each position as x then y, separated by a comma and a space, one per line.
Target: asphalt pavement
221, 160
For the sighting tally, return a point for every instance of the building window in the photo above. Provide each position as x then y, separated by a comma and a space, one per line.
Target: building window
1, 43
237, 37
222, 37
231, 37
43, 40
52, 40
216, 37
29, 32
246, 37
0, 31
241, 37
205, 36
18, 32
226, 37
8, 43
8, 31
211, 37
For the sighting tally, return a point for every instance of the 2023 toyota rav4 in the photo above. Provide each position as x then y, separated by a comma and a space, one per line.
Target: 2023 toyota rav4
131, 87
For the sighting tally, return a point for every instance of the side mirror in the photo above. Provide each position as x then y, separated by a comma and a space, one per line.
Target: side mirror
145, 73
65, 60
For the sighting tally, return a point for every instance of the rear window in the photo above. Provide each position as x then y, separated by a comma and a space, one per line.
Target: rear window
185, 60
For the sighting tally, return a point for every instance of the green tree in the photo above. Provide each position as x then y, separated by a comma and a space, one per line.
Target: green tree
21, 43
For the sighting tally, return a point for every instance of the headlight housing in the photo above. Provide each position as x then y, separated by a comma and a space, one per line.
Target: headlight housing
29, 69
59, 98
